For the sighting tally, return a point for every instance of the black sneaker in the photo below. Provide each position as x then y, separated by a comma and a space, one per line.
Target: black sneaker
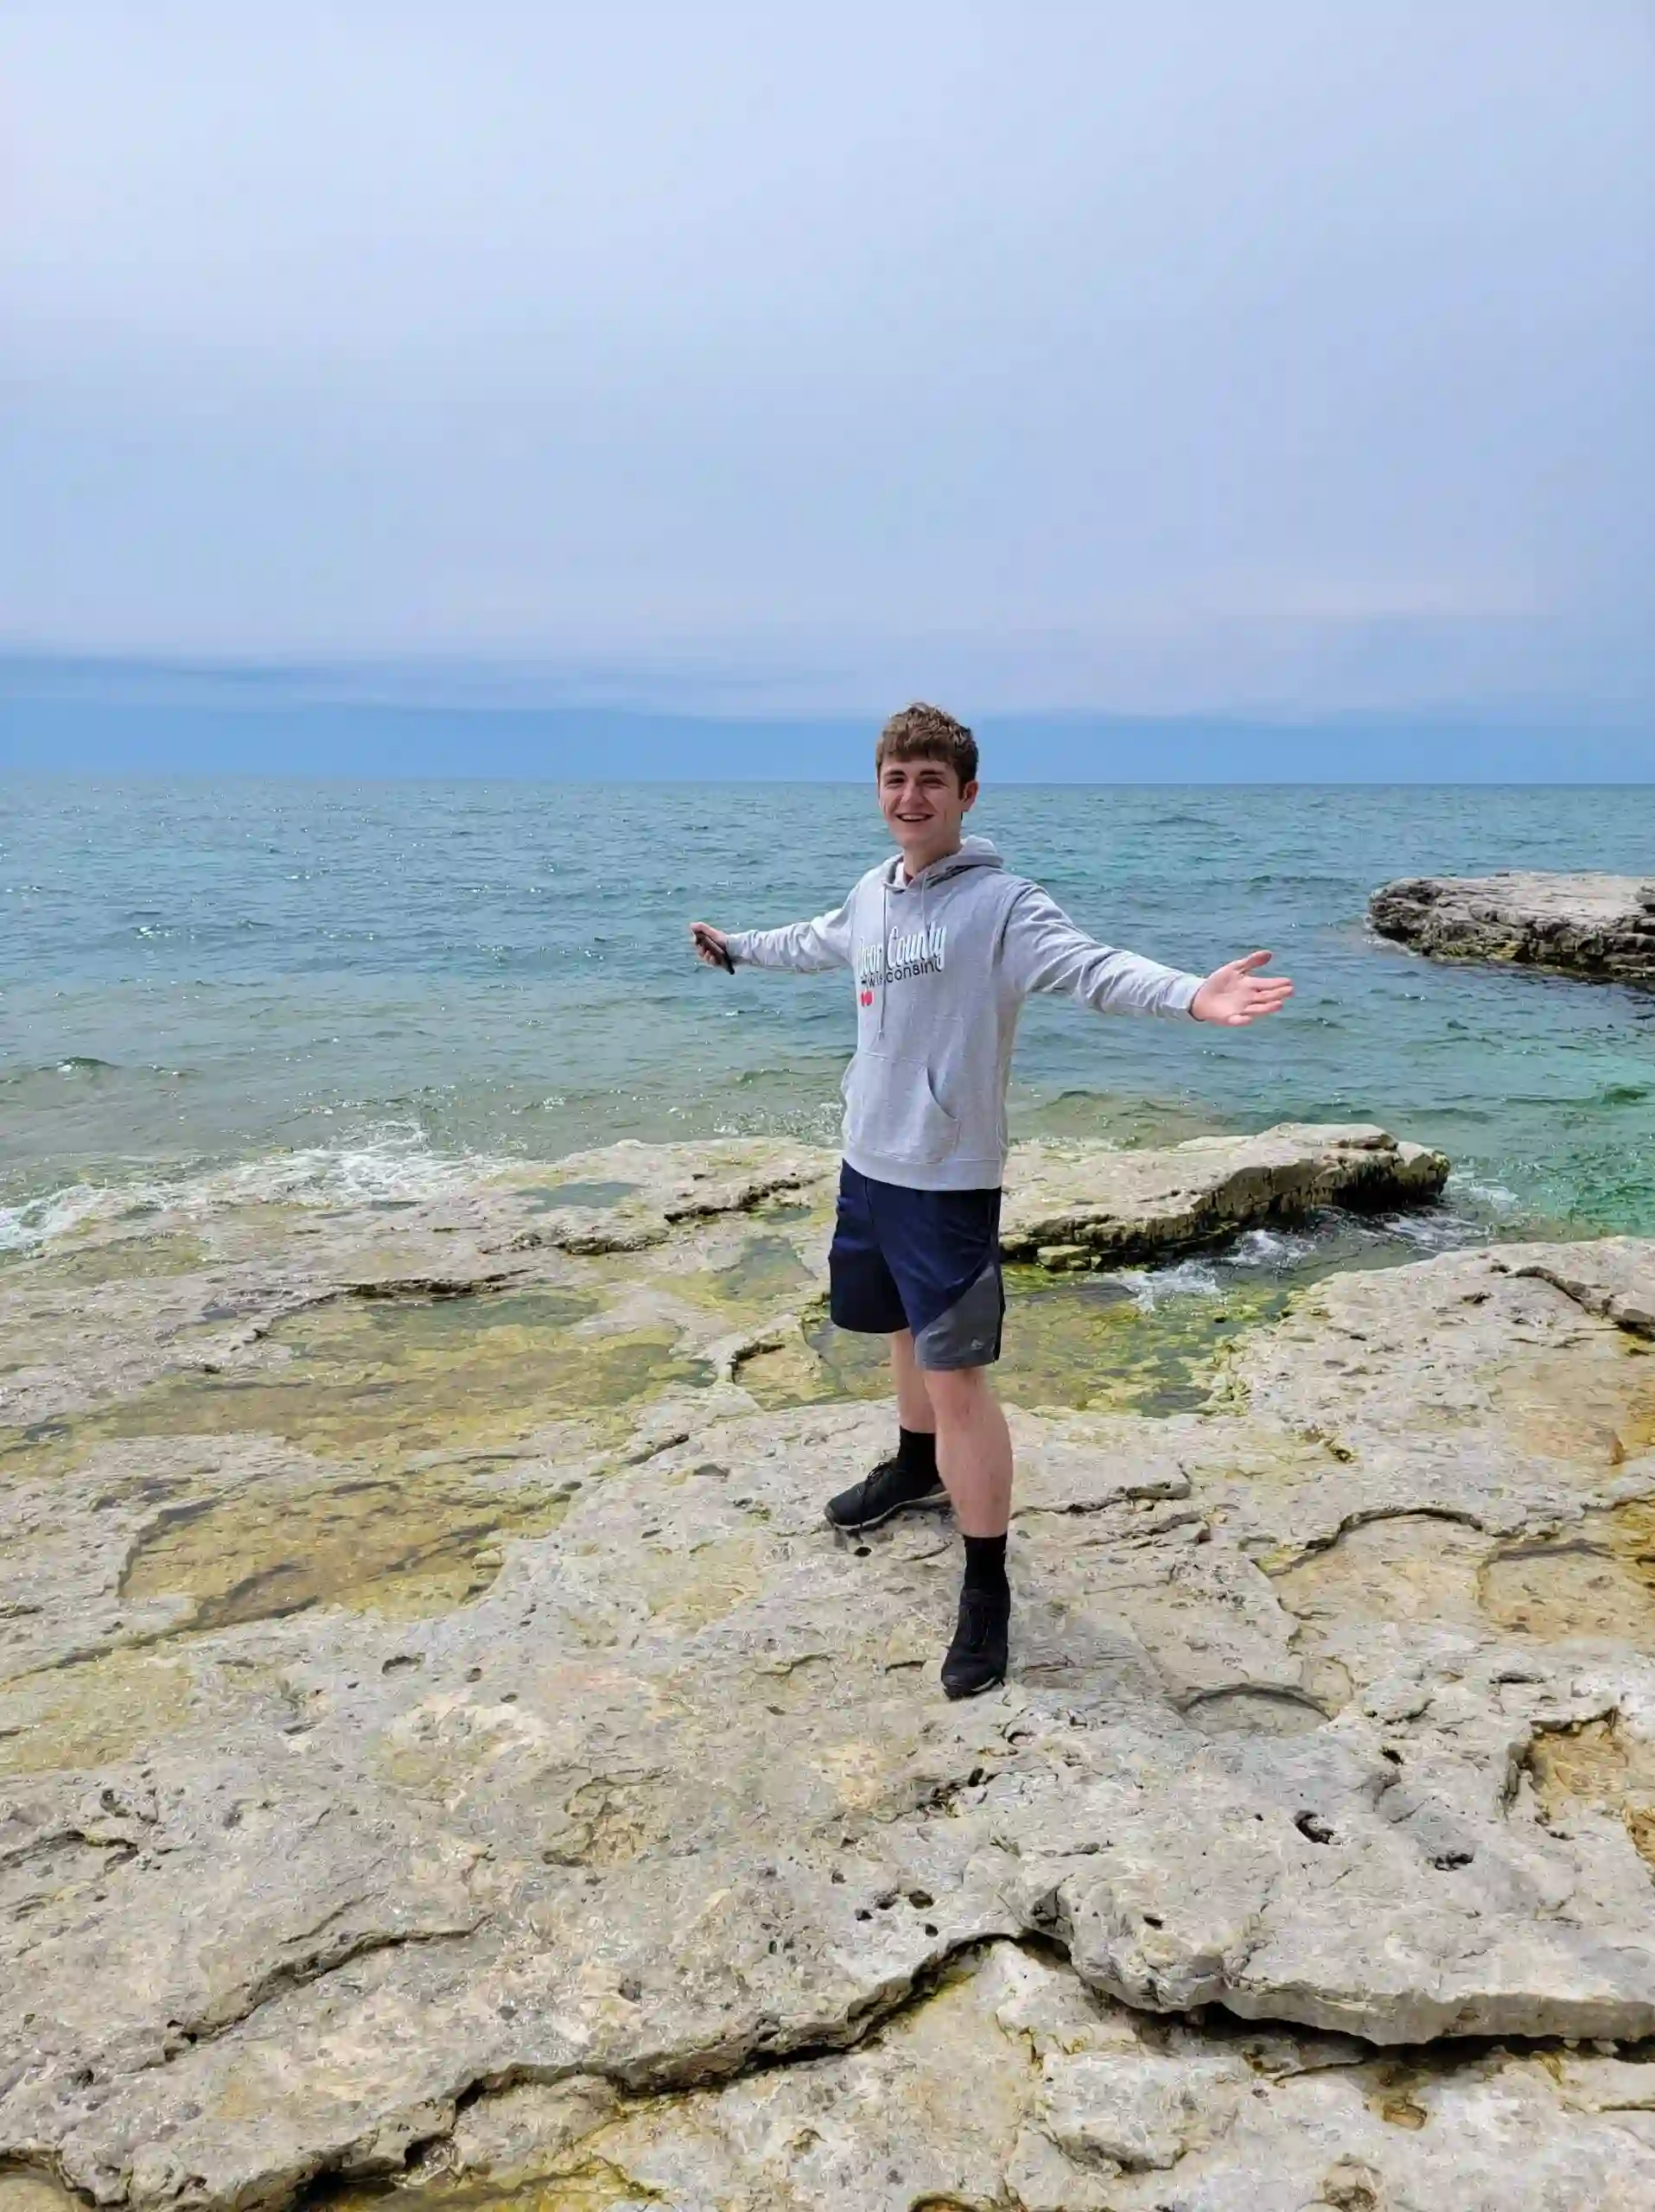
975, 1660
889, 1490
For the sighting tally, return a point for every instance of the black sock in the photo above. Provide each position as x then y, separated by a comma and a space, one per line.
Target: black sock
985, 1566
916, 1455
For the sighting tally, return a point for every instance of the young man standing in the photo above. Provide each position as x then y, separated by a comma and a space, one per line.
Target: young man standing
944, 946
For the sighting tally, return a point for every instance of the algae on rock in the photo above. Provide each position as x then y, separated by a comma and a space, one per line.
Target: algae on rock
607, 1771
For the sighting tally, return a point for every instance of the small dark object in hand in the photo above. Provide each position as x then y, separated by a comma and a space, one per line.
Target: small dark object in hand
720, 952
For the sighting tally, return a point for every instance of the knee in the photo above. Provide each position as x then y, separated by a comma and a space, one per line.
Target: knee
955, 1392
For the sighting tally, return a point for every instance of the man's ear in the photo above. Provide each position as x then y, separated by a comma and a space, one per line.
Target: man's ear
968, 796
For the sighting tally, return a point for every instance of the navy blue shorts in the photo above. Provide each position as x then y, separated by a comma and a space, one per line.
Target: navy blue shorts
927, 1260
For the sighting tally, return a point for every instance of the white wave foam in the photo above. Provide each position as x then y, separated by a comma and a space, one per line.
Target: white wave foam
1268, 1247
1434, 1230
390, 1162
394, 1162
1463, 1184
1183, 1279
28, 1227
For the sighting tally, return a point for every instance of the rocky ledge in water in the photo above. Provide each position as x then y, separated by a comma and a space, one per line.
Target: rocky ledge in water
1070, 1206
1601, 926
642, 1862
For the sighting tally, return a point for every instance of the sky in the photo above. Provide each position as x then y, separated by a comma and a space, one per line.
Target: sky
1257, 357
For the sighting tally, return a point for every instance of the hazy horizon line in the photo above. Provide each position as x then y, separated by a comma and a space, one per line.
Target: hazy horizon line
447, 681
17, 775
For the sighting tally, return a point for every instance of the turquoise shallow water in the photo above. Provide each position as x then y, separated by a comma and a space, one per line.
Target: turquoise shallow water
281, 979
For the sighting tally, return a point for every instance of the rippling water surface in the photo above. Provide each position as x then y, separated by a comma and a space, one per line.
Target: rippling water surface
270, 986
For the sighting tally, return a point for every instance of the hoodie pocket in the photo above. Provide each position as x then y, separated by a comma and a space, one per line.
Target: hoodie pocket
890, 1109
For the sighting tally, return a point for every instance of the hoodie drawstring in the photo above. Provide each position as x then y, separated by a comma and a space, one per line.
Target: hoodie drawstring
884, 955
975, 852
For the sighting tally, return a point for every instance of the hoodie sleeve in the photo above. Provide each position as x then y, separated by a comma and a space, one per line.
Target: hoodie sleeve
1044, 951
807, 948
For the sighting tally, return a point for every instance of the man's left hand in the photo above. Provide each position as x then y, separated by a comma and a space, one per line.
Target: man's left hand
1235, 995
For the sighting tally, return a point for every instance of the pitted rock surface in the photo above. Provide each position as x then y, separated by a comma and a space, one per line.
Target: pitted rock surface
653, 1865
1013, 2085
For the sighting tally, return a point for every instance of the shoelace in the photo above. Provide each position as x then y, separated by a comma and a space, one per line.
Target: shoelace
865, 1494
976, 1618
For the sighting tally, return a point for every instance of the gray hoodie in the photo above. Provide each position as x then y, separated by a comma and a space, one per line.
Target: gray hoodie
943, 963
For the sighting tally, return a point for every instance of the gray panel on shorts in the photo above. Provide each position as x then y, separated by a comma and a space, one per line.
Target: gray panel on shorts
968, 1333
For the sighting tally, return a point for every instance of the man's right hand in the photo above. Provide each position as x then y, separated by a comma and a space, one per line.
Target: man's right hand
711, 946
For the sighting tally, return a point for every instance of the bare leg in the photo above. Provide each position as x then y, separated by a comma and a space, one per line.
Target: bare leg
973, 1447
913, 1400
908, 1477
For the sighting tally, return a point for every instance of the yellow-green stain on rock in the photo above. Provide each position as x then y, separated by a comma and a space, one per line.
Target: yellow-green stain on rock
1078, 1342
91, 1714
386, 1381
418, 1545
124, 1259
422, 1405
767, 1274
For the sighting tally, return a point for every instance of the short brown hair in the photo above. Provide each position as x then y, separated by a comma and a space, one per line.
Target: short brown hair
923, 732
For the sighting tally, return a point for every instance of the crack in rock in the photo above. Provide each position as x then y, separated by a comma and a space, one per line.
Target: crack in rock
344, 1894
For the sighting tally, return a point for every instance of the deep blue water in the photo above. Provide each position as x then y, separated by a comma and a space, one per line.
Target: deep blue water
194, 974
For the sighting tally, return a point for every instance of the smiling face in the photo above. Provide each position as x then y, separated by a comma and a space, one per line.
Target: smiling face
925, 804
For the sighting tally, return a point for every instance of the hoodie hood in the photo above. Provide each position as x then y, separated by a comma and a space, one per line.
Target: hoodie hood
974, 852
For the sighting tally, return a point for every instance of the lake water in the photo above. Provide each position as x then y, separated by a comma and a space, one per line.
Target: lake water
287, 986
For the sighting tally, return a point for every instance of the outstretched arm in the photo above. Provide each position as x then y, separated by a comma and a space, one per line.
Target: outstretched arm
1045, 951
806, 948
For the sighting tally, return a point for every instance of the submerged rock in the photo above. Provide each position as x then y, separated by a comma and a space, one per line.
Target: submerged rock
1601, 926
602, 1827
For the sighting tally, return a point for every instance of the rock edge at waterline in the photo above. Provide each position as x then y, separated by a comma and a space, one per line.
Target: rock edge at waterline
1072, 1207
1598, 927
74, 1343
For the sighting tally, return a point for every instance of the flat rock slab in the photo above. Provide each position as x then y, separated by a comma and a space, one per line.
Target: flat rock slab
1089, 1199
1601, 926
1332, 1707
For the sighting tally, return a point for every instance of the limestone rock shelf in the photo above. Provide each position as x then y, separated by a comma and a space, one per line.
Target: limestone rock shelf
181, 1291
445, 1744
1600, 926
